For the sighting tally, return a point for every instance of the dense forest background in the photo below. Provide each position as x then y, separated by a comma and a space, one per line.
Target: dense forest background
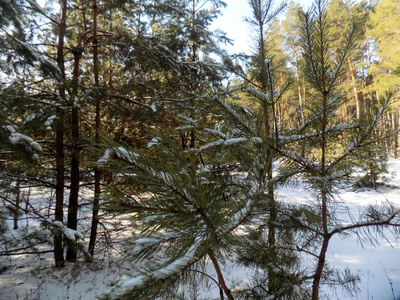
139, 103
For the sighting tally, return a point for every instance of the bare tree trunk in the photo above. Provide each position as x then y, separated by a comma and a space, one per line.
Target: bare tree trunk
58, 246
75, 162
97, 174
356, 97
396, 137
320, 268
221, 279
301, 100
17, 202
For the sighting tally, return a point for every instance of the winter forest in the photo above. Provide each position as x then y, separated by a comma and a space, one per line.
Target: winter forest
139, 159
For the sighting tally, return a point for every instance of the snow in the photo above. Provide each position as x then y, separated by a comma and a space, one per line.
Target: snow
233, 113
234, 141
240, 215
153, 142
19, 138
49, 121
143, 243
209, 145
342, 126
178, 264
217, 132
69, 233
33, 277
29, 118
120, 152
259, 95
104, 159
40, 57
256, 140
172, 268
10, 128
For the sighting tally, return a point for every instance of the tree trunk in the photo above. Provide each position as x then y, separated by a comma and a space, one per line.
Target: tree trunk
17, 202
58, 246
221, 279
75, 162
301, 100
267, 83
356, 97
320, 268
97, 174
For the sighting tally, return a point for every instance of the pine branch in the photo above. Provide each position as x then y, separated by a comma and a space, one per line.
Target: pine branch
386, 222
234, 114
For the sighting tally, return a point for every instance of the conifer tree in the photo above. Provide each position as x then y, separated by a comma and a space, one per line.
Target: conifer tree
328, 161
264, 88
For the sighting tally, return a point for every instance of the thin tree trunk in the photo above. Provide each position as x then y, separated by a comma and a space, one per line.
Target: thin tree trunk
58, 246
269, 160
301, 100
17, 202
320, 268
356, 97
75, 161
396, 135
97, 173
221, 279
194, 79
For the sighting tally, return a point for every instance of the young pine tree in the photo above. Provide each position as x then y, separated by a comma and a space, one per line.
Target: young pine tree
331, 145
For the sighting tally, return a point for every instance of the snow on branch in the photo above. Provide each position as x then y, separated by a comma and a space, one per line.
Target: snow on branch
306, 163
342, 126
45, 63
16, 138
187, 119
217, 132
209, 145
144, 243
298, 137
285, 139
153, 142
259, 95
69, 233
171, 269
73, 236
234, 141
233, 113
240, 216
118, 152
227, 142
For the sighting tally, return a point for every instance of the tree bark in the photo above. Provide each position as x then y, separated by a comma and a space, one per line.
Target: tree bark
58, 246
75, 161
97, 173
356, 97
17, 202
266, 84
221, 279
320, 268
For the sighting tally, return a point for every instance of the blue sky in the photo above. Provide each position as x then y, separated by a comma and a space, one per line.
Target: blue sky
233, 24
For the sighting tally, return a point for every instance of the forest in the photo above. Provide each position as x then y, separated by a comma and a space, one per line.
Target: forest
148, 139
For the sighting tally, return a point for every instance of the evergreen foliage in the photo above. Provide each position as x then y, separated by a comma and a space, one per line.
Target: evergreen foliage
135, 99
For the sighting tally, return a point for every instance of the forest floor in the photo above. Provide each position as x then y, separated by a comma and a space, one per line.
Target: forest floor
34, 277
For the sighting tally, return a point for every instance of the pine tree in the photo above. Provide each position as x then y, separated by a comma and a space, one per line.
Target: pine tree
327, 161
264, 88
190, 214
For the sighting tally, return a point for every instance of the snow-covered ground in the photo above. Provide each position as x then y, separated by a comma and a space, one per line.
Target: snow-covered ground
33, 276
